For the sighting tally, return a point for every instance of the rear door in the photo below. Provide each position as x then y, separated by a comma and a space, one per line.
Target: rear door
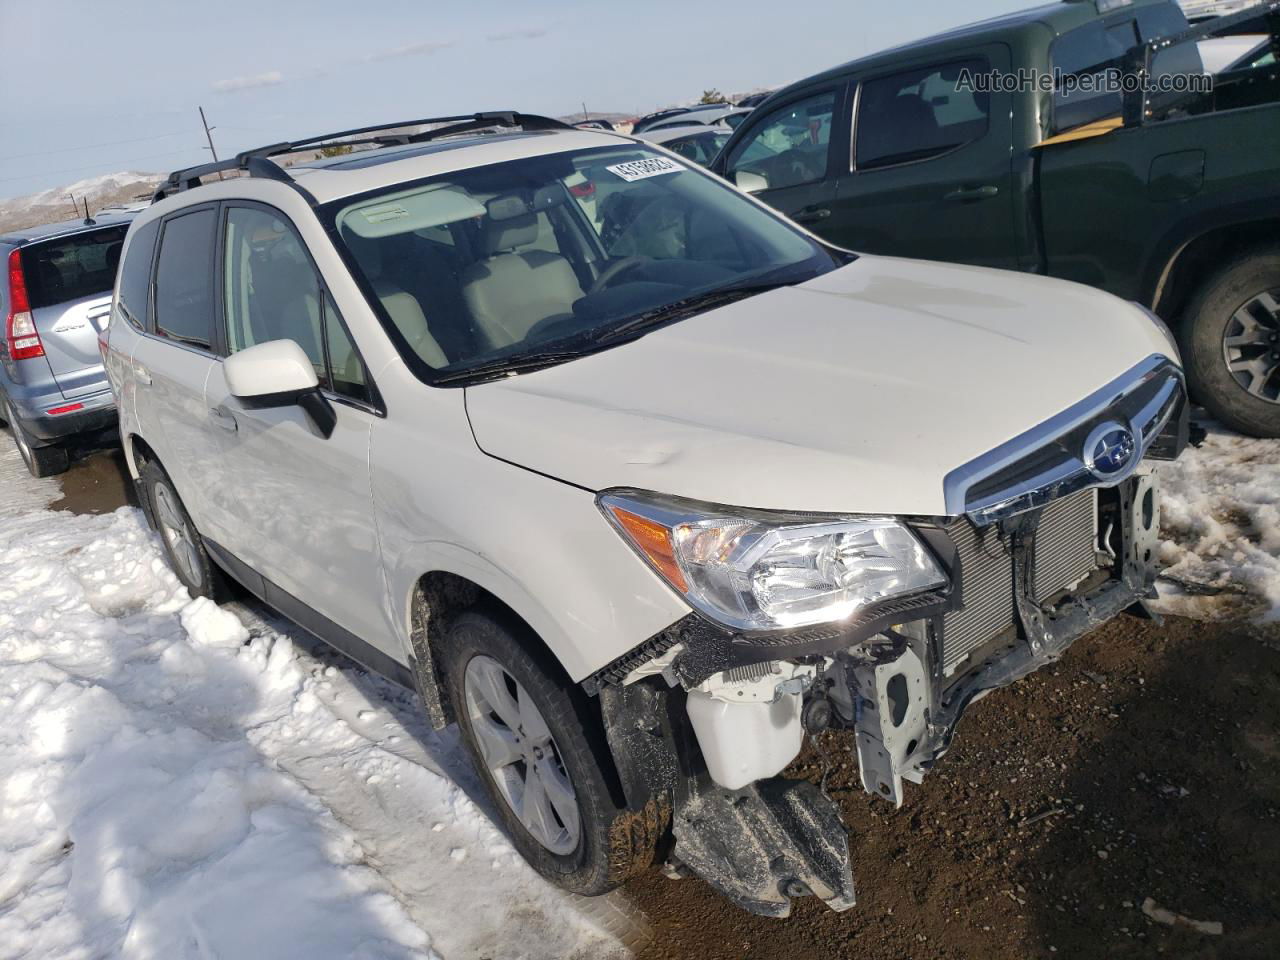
788, 155
930, 172
172, 359
69, 281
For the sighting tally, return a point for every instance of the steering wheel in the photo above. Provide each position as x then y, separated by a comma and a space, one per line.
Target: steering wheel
614, 269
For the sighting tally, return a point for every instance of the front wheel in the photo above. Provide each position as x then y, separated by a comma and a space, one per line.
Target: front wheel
1231, 344
541, 753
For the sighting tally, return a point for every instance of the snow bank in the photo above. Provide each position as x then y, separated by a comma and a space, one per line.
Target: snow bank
180, 779
1221, 520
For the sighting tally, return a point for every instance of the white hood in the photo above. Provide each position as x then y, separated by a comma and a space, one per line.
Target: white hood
855, 392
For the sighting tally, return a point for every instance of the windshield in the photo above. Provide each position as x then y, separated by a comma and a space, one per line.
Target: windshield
551, 253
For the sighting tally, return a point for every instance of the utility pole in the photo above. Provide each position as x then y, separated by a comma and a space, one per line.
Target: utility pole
74, 204
208, 135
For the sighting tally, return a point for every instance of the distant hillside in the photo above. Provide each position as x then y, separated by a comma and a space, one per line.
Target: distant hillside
50, 206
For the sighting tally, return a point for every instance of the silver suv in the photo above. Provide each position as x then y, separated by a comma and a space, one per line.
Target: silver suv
633, 478
55, 302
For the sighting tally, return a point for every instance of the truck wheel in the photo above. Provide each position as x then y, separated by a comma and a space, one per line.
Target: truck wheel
539, 747
183, 545
1231, 344
40, 461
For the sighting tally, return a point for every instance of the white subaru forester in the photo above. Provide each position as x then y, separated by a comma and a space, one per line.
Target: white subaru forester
631, 477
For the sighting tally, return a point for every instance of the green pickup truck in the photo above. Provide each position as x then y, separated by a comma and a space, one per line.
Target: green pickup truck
1082, 139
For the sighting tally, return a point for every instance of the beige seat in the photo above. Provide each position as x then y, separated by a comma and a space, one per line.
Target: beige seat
508, 292
401, 306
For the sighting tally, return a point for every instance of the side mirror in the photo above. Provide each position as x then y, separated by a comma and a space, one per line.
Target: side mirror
279, 374
749, 182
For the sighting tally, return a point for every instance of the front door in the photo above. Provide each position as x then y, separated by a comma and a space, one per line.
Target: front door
930, 171
785, 157
296, 504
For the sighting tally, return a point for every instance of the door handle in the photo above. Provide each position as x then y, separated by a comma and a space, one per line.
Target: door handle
224, 418
972, 193
140, 372
812, 216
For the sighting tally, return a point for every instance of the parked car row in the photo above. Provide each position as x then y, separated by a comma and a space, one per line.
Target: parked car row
1170, 199
640, 482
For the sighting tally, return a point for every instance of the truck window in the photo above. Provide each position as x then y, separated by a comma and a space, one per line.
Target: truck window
1089, 51
919, 114
789, 147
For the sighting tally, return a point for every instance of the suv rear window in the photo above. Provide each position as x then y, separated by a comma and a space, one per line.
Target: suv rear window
74, 267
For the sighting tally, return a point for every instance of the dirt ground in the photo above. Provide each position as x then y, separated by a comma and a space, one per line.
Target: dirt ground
1145, 765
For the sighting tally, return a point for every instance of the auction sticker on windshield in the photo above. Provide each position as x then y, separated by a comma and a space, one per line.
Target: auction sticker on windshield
643, 169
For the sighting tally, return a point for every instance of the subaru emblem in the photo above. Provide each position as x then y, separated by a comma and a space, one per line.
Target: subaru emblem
1109, 450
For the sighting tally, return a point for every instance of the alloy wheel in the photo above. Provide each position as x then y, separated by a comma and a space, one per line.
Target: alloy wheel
521, 755
1251, 346
177, 533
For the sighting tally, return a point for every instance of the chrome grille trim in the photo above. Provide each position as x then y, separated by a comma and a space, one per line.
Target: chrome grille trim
1047, 462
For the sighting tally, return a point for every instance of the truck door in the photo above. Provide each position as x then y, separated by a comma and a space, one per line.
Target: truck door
788, 156
930, 173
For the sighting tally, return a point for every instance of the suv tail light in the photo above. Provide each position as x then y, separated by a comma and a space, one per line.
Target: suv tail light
20, 327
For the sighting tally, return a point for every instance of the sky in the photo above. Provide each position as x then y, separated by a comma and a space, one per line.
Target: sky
97, 87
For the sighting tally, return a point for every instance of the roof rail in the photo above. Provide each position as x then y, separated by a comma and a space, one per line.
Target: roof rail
256, 162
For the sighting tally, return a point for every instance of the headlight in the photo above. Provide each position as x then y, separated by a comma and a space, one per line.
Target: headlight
752, 571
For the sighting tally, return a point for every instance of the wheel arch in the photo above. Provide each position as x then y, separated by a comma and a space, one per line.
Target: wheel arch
1197, 257
436, 597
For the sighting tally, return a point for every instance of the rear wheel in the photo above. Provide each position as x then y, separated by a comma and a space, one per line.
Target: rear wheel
182, 542
1231, 344
539, 747
40, 461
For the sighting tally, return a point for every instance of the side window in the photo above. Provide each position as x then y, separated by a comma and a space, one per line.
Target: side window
1083, 57
788, 148
135, 275
348, 375
184, 275
920, 114
272, 292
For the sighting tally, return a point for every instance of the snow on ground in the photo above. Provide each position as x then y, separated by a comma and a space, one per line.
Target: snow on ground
1221, 516
182, 780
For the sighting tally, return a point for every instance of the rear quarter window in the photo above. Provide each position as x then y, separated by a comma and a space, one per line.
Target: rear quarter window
135, 275
74, 267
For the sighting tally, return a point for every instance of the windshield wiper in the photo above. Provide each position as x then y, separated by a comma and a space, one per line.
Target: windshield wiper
508, 365
681, 309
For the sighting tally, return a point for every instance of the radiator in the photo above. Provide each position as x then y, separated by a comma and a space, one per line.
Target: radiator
1064, 557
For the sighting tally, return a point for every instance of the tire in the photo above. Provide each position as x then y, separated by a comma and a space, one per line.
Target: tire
1210, 318
187, 556
40, 461
602, 855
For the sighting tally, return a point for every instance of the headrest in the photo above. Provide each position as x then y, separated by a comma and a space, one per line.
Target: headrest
505, 234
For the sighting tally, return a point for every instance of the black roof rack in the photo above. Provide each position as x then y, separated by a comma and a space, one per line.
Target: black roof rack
257, 163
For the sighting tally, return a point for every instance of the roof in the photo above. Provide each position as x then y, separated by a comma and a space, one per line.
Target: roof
65, 228
1055, 18
333, 178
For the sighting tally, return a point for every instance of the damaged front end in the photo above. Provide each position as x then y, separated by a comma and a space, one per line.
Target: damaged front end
707, 717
